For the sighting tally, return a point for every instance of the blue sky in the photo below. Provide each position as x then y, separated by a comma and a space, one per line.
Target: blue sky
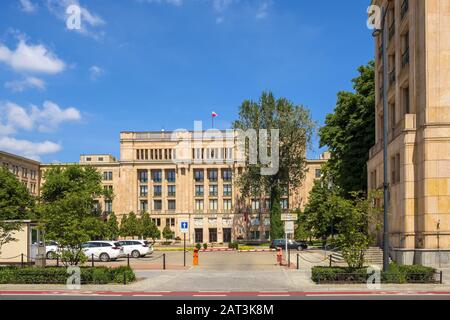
162, 64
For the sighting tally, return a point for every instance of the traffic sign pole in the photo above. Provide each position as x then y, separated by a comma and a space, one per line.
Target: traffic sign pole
184, 249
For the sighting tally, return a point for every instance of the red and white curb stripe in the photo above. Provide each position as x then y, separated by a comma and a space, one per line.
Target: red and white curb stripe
201, 294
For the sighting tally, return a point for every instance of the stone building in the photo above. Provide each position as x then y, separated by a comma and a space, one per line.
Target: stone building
419, 130
180, 176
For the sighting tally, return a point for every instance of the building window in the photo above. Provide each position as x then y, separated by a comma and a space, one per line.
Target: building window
395, 169
143, 176
157, 191
24, 173
157, 222
88, 159
227, 175
157, 205
284, 203
157, 176
227, 205
108, 206
392, 120
171, 176
143, 206
199, 175
213, 205
213, 191
199, 205
406, 101
318, 173
227, 190
143, 191
172, 205
405, 49
213, 175
170, 222
108, 188
255, 205
171, 191
107, 176
199, 191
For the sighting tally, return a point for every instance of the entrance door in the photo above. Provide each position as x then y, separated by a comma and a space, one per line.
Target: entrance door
198, 235
227, 235
212, 235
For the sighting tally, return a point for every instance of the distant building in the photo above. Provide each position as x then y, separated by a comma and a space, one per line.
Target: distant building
189, 179
26, 170
419, 130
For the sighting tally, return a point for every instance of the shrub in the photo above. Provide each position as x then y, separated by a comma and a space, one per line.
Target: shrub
198, 246
233, 245
205, 246
395, 274
54, 275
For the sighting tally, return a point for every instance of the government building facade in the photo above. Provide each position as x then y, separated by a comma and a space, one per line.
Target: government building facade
190, 176
419, 130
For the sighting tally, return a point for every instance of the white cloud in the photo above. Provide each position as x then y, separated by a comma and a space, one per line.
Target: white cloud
48, 118
27, 148
51, 116
89, 20
27, 6
96, 72
14, 119
31, 58
27, 83
177, 3
263, 9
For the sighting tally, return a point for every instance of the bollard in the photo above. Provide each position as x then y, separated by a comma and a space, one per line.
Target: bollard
21, 260
331, 260
440, 277
298, 261
164, 261
128, 260
92, 262
280, 256
125, 278
57, 261
195, 262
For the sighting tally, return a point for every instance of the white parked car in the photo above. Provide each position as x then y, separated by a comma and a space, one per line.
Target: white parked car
103, 250
51, 249
136, 248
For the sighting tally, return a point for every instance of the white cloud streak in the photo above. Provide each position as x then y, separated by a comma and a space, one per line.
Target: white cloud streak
27, 6
27, 83
15, 119
31, 58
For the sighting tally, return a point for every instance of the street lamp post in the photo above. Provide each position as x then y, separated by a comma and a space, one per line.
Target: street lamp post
385, 34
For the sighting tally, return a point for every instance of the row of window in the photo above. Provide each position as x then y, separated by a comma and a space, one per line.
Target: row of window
26, 173
155, 154
157, 191
157, 176
212, 153
213, 175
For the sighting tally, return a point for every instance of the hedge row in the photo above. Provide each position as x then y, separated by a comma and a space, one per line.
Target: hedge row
396, 274
52, 275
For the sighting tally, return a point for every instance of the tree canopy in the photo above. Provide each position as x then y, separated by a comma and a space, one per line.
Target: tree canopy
295, 130
349, 133
16, 203
67, 208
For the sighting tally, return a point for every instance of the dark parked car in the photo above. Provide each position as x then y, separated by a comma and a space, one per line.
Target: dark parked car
292, 244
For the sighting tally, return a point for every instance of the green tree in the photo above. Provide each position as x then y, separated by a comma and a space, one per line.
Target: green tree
149, 228
67, 209
113, 227
15, 204
295, 130
349, 133
130, 226
168, 234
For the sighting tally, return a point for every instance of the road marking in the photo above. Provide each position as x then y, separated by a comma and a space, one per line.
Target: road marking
209, 295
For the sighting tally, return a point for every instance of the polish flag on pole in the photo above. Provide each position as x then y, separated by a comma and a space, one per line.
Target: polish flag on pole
213, 116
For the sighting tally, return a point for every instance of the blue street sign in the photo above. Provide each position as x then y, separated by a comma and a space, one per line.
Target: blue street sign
184, 227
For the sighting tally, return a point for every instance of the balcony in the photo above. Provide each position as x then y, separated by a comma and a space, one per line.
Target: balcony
404, 9
405, 58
